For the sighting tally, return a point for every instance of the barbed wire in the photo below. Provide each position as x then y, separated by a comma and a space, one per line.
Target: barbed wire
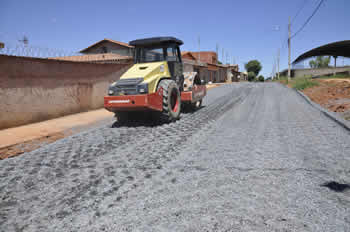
25, 50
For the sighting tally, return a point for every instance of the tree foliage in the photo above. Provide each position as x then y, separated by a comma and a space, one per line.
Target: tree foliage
251, 76
253, 66
320, 62
261, 78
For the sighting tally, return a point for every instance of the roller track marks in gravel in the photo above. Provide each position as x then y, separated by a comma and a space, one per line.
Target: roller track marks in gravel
88, 173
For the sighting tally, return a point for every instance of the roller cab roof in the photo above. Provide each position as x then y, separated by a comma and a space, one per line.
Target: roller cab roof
155, 41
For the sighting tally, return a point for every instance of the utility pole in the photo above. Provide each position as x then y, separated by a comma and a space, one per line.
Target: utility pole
199, 49
217, 53
223, 55
278, 64
289, 35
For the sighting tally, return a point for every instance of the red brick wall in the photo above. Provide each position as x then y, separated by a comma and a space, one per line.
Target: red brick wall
206, 57
33, 89
16, 72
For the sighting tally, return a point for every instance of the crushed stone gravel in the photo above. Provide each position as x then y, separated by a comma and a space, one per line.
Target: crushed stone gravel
255, 157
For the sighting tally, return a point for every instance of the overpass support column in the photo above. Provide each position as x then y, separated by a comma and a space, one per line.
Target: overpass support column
335, 65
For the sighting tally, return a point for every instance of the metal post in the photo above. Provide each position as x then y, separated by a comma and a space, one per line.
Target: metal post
222, 60
278, 65
217, 53
289, 35
199, 49
335, 65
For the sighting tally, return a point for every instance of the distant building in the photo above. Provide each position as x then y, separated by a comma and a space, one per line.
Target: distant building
191, 64
104, 51
216, 72
209, 68
109, 46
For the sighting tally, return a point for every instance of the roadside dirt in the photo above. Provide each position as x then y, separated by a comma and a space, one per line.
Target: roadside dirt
333, 94
14, 150
18, 140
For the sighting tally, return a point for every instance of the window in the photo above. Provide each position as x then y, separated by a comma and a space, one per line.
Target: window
144, 55
172, 54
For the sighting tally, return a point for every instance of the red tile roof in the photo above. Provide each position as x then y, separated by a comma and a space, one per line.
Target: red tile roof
109, 40
103, 57
188, 55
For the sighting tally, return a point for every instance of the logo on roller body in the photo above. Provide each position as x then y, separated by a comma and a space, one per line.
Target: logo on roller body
119, 101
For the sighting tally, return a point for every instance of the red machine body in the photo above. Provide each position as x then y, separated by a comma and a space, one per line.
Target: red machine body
153, 101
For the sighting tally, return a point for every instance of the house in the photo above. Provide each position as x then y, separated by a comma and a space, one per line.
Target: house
109, 46
216, 72
207, 64
191, 64
104, 51
233, 74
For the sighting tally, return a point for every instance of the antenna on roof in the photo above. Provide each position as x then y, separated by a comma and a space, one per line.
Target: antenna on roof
24, 40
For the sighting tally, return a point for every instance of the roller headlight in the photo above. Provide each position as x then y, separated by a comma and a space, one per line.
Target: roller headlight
142, 88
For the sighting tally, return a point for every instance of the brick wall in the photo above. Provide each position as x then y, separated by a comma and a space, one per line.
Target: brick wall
33, 89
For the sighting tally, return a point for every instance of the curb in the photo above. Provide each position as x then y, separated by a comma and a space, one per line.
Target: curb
336, 118
331, 115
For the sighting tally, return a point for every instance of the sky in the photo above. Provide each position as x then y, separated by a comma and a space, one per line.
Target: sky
246, 29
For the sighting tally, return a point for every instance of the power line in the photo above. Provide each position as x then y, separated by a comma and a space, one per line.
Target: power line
300, 9
306, 22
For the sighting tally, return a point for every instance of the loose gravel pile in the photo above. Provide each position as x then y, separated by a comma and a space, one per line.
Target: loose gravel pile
256, 157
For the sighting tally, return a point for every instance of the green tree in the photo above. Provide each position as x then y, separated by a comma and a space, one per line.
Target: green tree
261, 78
253, 66
320, 62
251, 76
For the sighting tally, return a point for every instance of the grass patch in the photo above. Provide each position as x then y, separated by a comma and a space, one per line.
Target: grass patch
302, 83
338, 76
299, 83
282, 80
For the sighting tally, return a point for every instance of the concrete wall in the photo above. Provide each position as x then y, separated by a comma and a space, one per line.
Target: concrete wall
310, 72
319, 71
33, 89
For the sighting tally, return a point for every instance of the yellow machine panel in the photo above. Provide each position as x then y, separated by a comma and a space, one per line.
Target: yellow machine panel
151, 72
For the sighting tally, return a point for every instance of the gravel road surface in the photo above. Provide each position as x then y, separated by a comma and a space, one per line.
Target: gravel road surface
256, 157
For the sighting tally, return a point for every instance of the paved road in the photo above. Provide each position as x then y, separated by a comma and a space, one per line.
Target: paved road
254, 158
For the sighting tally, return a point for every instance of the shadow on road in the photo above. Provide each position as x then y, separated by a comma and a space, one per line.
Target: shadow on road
150, 119
335, 186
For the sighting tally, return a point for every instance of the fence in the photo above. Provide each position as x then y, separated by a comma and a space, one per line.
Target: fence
23, 50
26, 50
